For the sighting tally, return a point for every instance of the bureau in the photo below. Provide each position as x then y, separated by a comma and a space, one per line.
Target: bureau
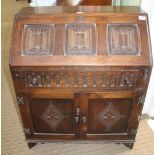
80, 73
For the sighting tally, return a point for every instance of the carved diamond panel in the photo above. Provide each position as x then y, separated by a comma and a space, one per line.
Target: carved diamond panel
52, 116
109, 116
37, 40
80, 39
123, 39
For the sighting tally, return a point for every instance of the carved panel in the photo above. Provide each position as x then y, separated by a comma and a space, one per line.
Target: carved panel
123, 39
125, 79
109, 116
80, 39
37, 40
52, 116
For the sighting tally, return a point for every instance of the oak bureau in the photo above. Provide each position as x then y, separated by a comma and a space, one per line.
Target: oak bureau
80, 73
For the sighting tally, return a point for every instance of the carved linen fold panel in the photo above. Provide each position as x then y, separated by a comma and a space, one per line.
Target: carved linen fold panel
123, 39
80, 39
37, 40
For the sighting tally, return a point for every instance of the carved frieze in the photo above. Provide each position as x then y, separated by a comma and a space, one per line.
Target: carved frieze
123, 39
112, 80
37, 40
80, 39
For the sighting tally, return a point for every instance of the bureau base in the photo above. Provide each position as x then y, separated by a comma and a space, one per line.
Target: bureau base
126, 143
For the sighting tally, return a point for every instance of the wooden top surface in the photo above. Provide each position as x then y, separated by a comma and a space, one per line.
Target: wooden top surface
80, 9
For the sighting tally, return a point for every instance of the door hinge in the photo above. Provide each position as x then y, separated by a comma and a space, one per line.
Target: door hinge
146, 74
139, 117
133, 132
141, 99
27, 131
20, 100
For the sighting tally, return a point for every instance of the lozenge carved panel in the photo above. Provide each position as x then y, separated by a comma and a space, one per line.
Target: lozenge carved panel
37, 40
109, 116
52, 116
123, 39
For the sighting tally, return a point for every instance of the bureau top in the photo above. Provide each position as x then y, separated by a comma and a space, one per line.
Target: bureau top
80, 36
80, 9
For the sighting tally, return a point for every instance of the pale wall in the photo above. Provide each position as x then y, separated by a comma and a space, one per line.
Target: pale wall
130, 2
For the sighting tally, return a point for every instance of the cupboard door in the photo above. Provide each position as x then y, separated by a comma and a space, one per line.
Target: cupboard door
53, 118
108, 117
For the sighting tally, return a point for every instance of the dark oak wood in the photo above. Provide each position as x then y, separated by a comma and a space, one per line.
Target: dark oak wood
30, 145
80, 73
129, 145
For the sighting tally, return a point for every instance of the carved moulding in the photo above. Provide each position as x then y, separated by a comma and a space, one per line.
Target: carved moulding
123, 39
125, 79
37, 39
